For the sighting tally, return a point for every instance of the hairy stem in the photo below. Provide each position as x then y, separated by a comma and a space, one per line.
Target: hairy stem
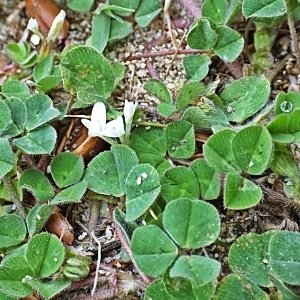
294, 37
126, 246
163, 53
14, 195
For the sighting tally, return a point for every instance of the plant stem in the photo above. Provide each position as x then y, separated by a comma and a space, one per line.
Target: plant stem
70, 103
94, 214
294, 37
270, 75
128, 250
163, 53
126, 246
150, 124
14, 195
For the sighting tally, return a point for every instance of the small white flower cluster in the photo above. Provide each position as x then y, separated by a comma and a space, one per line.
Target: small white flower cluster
97, 126
54, 31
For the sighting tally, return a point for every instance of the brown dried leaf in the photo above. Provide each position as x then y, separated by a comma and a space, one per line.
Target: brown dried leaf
59, 225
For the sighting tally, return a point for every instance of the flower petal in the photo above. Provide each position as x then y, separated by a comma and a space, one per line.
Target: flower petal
114, 128
33, 25
86, 123
56, 26
129, 109
99, 115
93, 128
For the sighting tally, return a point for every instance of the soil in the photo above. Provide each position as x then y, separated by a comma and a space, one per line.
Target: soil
152, 53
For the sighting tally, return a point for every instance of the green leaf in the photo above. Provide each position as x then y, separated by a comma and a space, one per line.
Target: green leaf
30, 60
15, 88
285, 128
147, 11
37, 217
35, 142
37, 183
204, 292
152, 250
18, 116
166, 109
66, 169
13, 270
263, 8
202, 36
286, 102
191, 223
180, 139
249, 257
217, 151
215, 10
279, 129
45, 253
158, 162
101, 26
229, 44
48, 289
142, 188
126, 227
252, 149
196, 67
236, 287
3, 296
5, 119
71, 194
18, 51
198, 269
119, 30
179, 182
84, 68
205, 116
208, 179
283, 162
188, 94
156, 290
79, 5
148, 140
158, 89
114, 11
129, 4
7, 160
40, 110
48, 83
284, 292
284, 256
178, 287
244, 97
119, 73
12, 230
43, 68
240, 193
234, 7
107, 172
85, 99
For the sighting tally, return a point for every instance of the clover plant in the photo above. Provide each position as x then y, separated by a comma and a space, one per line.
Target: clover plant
160, 192
109, 24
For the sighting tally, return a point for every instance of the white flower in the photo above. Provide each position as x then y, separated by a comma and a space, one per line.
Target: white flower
129, 110
97, 125
56, 26
33, 25
35, 39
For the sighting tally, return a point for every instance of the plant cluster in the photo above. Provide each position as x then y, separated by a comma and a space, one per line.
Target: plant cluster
163, 206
